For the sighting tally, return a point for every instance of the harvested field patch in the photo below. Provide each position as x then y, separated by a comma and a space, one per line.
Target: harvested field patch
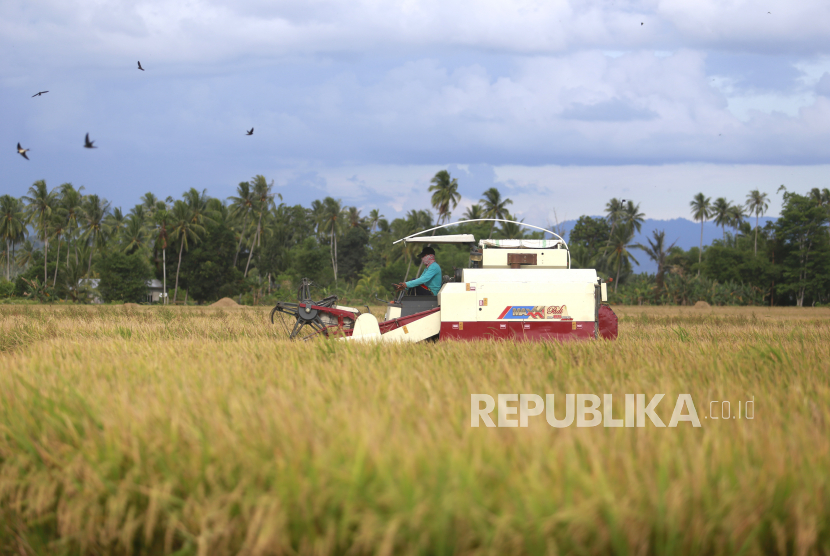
225, 302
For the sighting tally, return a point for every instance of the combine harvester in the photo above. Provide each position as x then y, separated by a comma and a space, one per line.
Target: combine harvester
519, 289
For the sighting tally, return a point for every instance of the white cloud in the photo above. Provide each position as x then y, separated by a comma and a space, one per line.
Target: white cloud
663, 191
406, 87
205, 31
543, 194
577, 108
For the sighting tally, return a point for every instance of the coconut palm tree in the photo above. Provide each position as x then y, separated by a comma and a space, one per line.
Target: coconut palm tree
76, 289
510, 230
756, 202
493, 206
419, 220
114, 223
331, 216
353, 217
95, 211
620, 248
241, 206
199, 204
374, 219
736, 216
473, 212
615, 213
161, 221
134, 235
5, 257
721, 213
39, 205
315, 214
444, 200
21, 237
184, 227
369, 286
26, 255
12, 225
631, 215
701, 210
141, 212
263, 202
71, 201
821, 197
58, 228
657, 252
141, 215
446, 196
149, 201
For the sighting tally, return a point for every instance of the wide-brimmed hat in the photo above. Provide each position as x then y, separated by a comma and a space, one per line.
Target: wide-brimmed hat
426, 251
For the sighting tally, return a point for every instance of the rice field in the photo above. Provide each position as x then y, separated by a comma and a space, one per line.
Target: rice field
204, 431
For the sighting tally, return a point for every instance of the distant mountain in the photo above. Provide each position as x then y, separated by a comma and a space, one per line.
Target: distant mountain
686, 234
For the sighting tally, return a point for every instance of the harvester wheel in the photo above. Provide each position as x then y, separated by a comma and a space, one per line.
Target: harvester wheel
302, 320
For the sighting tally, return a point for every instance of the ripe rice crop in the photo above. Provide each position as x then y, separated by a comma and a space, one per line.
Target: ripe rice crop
204, 431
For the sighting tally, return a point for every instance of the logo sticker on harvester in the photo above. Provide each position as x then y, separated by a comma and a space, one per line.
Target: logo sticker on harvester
557, 312
523, 312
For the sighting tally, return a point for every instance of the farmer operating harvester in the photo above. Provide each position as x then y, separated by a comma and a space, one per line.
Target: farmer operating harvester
522, 289
430, 281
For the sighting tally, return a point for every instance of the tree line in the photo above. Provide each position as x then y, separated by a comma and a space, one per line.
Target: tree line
785, 262
254, 247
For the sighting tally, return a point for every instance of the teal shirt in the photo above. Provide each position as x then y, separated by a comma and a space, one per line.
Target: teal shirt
431, 277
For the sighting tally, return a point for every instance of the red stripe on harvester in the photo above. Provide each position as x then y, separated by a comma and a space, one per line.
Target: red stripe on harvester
501, 316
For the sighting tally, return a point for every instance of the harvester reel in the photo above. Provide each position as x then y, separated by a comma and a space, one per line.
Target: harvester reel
300, 320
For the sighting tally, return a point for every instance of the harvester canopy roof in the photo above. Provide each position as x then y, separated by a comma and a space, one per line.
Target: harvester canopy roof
421, 237
439, 240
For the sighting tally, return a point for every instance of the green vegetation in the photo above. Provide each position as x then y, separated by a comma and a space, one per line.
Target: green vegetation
161, 430
255, 248
123, 277
784, 263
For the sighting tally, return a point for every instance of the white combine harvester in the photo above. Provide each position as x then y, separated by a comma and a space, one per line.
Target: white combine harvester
513, 289
522, 289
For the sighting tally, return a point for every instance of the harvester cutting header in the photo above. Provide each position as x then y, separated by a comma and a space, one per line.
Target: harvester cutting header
522, 289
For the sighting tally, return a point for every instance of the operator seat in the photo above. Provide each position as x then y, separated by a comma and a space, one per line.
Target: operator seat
411, 304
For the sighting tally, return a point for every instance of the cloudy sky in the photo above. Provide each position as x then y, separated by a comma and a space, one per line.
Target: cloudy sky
561, 104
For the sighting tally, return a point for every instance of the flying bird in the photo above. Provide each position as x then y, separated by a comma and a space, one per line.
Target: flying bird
22, 151
250, 132
89, 144
38, 94
139, 66
641, 23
